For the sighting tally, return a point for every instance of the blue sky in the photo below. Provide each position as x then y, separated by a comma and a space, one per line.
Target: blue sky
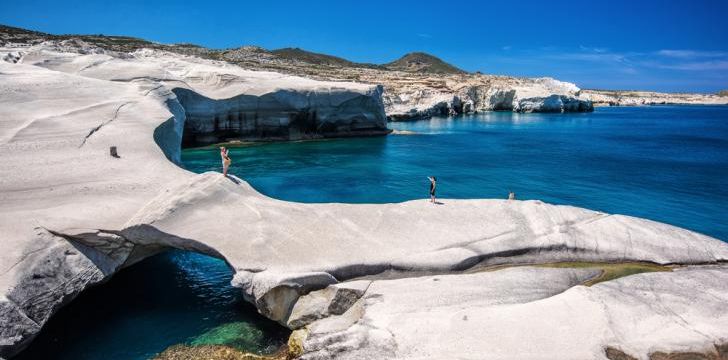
668, 45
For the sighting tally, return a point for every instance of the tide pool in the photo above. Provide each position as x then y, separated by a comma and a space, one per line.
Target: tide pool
665, 163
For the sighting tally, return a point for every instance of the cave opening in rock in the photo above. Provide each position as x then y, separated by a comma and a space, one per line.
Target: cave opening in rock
176, 297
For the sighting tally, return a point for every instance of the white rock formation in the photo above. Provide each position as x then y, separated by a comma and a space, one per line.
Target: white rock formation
527, 313
72, 215
223, 101
475, 93
638, 98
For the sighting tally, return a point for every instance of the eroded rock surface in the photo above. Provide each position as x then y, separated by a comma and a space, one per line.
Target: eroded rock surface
357, 281
639, 98
530, 313
222, 102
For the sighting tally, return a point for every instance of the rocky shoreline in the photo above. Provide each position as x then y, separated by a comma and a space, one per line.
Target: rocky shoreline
641, 98
73, 215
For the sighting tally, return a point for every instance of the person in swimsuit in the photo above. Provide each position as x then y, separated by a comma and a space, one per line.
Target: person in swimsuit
225, 160
433, 185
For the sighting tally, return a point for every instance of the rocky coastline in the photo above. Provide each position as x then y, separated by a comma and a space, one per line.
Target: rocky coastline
416, 86
354, 281
642, 98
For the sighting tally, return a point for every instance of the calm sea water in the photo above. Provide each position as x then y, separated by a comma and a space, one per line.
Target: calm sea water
171, 298
666, 163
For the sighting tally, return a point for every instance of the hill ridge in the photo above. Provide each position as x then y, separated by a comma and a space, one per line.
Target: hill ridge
411, 62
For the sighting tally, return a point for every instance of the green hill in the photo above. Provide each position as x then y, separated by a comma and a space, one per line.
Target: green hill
423, 62
310, 57
412, 62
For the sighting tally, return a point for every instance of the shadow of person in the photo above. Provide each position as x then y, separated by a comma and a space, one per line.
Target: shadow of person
439, 203
233, 179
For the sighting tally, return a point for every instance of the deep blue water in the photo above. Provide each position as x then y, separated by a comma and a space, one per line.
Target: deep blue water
171, 298
666, 163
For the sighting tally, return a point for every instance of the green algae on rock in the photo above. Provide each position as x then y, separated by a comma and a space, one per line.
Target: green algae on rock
611, 271
295, 342
215, 352
226, 342
720, 352
238, 334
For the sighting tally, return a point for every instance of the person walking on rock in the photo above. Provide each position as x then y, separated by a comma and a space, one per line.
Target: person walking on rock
433, 185
225, 160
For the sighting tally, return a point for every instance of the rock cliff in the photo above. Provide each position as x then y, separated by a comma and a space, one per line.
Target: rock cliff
460, 94
639, 98
287, 114
223, 102
415, 86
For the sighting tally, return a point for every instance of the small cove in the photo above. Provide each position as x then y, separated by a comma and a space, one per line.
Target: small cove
170, 298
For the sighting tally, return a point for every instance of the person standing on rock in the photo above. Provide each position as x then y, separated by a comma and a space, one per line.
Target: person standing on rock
433, 185
225, 160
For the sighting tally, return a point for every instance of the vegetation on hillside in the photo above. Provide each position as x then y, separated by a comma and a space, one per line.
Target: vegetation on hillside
297, 54
113, 43
423, 62
417, 62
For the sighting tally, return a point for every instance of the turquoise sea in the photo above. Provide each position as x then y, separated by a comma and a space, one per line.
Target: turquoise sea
665, 163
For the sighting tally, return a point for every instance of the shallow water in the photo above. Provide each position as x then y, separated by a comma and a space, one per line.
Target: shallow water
666, 163
171, 298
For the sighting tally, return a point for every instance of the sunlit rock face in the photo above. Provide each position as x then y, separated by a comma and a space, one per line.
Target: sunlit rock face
495, 99
478, 93
554, 104
639, 98
218, 102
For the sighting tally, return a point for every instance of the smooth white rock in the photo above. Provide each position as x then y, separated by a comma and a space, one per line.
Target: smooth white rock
530, 313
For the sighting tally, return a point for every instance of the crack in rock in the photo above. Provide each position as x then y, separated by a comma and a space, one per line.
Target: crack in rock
94, 130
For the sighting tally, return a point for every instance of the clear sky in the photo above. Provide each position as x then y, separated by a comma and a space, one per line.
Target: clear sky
666, 45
